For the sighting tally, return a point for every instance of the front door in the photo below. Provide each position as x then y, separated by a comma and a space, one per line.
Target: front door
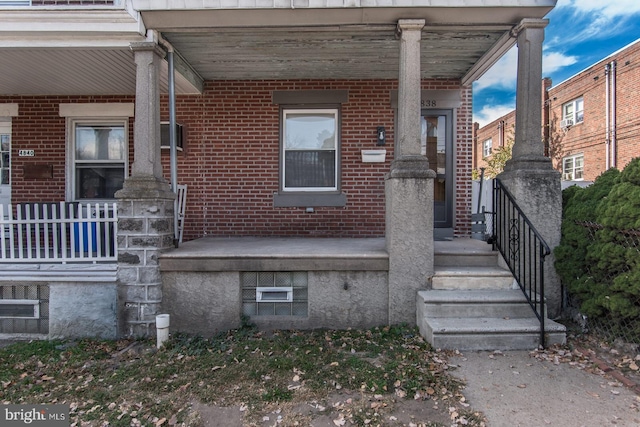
437, 145
5, 163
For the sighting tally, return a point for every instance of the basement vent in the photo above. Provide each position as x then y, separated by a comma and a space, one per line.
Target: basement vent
19, 308
268, 293
24, 309
279, 294
7, 3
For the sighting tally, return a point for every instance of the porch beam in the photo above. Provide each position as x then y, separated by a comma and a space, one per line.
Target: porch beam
189, 73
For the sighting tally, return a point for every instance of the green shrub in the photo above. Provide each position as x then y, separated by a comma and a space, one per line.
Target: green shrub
595, 259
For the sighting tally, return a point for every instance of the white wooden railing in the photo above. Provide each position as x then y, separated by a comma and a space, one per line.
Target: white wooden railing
58, 233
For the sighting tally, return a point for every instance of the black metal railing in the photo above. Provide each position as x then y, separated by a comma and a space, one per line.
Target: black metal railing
523, 249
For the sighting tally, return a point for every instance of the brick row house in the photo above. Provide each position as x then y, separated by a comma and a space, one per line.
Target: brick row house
325, 146
590, 120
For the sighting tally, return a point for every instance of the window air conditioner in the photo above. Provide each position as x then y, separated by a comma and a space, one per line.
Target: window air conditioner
566, 123
164, 136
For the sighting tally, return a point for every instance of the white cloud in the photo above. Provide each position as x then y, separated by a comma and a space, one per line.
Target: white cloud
502, 75
553, 61
489, 113
606, 9
597, 19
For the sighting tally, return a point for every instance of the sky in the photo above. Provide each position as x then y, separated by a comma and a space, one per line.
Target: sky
580, 33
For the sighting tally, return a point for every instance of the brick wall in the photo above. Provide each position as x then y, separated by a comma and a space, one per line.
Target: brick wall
463, 163
230, 158
589, 137
501, 131
39, 127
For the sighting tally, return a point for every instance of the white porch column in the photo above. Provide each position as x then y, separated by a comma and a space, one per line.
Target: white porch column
409, 189
145, 206
529, 175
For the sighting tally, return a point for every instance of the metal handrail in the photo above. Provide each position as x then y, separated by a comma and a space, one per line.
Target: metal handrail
523, 249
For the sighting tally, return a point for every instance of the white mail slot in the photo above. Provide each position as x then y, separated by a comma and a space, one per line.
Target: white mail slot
374, 156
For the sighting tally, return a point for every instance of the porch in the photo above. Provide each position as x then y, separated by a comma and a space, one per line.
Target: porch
306, 283
58, 270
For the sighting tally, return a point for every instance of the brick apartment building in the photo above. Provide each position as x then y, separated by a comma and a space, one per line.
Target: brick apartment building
325, 146
590, 121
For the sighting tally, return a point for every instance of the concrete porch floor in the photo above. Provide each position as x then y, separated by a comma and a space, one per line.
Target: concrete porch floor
296, 247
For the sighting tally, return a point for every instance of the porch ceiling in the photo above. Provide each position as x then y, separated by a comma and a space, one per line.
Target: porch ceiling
340, 52
231, 44
78, 71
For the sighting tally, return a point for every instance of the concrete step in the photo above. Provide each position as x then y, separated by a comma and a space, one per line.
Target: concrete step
471, 277
474, 303
489, 333
464, 253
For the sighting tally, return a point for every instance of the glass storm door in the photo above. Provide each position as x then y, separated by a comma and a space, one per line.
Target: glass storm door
437, 144
5, 163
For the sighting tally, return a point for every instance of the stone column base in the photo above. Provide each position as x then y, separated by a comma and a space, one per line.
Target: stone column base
145, 229
539, 195
409, 234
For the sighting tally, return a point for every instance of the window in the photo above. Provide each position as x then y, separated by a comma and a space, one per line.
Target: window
487, 148
573, 112
309, 150
274, 293
573, 168
99, 158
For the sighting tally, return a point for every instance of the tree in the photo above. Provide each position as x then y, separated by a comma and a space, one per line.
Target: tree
497, 160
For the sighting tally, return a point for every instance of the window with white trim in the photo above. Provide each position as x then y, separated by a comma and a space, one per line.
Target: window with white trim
310, 150
573, 168
99, 157
487, 147
573, 112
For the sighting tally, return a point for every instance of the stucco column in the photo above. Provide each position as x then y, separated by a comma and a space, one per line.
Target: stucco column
409, 189
145, 206
409, 87
529, 175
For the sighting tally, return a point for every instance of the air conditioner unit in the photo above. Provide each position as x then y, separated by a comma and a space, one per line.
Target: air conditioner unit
164, 136
566, 123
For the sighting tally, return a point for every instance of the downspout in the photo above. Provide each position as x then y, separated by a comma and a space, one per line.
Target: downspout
172, 131
607, 114
614, 124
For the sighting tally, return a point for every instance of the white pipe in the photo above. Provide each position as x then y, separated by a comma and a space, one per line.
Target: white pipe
614, 124
162, 329
607, 126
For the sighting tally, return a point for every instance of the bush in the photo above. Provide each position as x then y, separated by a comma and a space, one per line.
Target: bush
598, 259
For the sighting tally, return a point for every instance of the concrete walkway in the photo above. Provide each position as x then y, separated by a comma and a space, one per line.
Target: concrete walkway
515, 389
